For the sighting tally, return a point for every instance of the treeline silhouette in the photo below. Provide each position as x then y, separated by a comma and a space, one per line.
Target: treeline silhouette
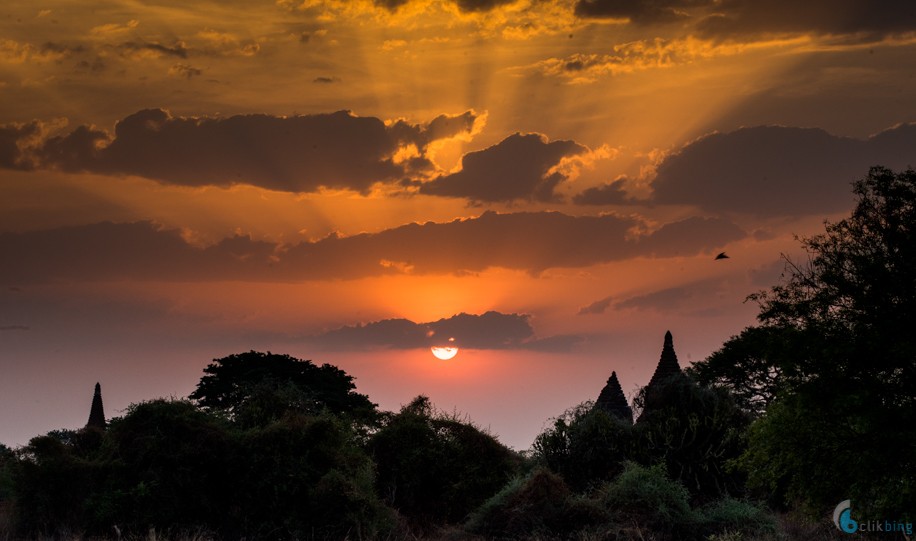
812, 406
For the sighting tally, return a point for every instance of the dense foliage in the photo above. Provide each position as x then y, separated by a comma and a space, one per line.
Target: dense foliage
434, 468
693, 431
834, 359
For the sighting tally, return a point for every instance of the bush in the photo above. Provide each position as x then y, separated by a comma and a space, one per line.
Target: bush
648, 498
435, 468
540, 504
736, 516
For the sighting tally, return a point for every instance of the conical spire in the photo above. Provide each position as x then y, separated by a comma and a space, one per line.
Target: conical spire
667, 364
97, 412
613, 401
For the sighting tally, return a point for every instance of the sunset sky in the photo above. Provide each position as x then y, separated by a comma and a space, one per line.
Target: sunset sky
352, 182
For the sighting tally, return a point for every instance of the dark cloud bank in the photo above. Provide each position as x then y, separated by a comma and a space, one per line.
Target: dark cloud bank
532, 242
733, 18
295, 154
491, 330
769, 171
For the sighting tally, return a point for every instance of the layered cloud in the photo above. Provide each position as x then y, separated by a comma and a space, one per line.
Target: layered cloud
737, 17
491, 330
530, 242
295, 154
734, 18
778, 171
521, 166
687, 297
612, 193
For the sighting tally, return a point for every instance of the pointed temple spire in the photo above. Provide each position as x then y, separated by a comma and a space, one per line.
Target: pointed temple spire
97, 412
667, 371
667, 364
613, 401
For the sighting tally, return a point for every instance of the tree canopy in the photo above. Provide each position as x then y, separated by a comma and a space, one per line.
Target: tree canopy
255, 388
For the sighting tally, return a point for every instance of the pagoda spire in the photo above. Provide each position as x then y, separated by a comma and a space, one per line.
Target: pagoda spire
613, 401
667, 364
97, 412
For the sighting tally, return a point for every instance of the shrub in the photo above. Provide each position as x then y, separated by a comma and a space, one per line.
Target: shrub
729, 515
540, 504
646, 497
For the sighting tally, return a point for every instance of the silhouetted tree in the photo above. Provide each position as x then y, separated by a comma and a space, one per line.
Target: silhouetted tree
7, 463
257, 388
53, 481
694, 431
435, 468
586, 445
849, 385
307, 477
750, 366
171, 468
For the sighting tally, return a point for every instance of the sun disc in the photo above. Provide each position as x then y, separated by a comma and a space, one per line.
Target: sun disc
444, 353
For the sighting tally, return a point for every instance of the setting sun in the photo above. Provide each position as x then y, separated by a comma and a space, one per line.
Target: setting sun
444, 353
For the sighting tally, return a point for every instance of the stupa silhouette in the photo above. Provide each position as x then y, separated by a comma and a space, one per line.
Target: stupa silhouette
97, 412
613, 401
667, 365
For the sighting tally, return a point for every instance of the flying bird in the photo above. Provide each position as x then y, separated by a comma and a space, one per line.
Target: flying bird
721, 256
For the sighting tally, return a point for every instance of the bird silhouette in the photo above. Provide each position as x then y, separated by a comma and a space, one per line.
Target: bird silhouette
721, 256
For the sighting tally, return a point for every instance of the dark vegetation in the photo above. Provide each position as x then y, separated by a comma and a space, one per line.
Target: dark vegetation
812, 406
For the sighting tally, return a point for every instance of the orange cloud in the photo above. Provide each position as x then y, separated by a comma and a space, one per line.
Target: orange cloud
528, 241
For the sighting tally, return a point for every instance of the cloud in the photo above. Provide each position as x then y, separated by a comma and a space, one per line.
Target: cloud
777, 171
145, 49
691, 298
528, 241
606, 194
136, 251
735, 18
295, 154
640, 55
467, 6
114, 28
13, 137
637, 11
521, 166
743, 17
597, 307
690, 236
184, 71
491, 330
481, 5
